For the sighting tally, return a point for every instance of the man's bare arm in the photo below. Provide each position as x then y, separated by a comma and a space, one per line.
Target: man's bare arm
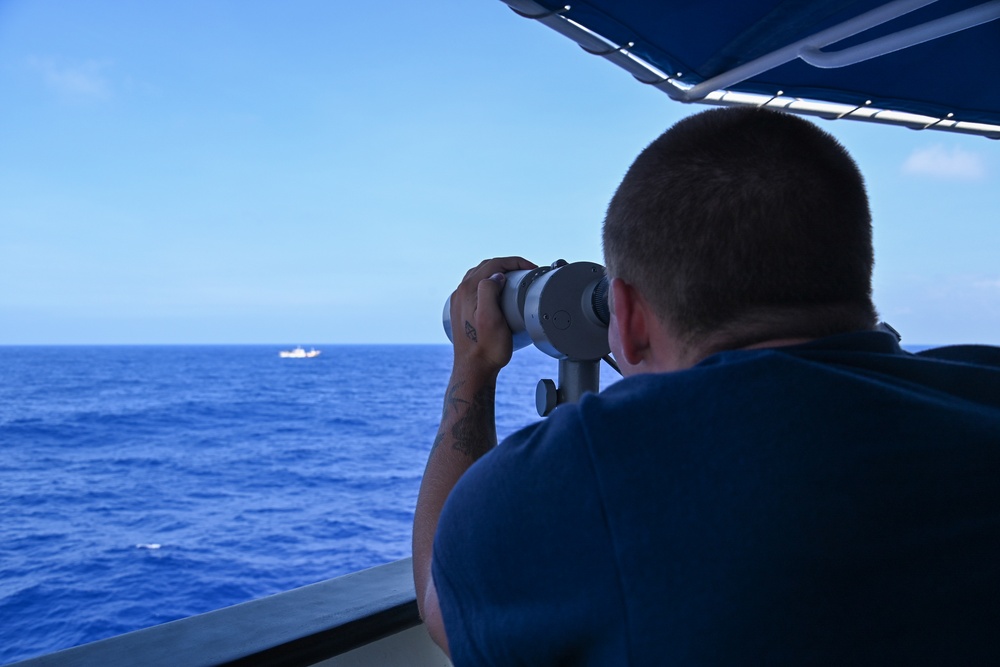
467, 432
483, 346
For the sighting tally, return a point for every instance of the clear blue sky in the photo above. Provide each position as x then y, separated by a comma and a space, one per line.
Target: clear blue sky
325, 172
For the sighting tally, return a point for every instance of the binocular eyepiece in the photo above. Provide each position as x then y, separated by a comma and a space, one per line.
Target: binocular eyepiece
562, 309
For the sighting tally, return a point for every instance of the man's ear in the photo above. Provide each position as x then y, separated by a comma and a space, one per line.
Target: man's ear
632, 319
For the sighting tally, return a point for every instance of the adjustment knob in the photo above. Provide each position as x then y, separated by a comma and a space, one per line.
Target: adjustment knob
546, 397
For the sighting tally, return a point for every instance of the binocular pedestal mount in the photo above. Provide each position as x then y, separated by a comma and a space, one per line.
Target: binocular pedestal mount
575, 379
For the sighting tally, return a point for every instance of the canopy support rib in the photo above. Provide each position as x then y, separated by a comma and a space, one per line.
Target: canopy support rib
903, 39
811, 44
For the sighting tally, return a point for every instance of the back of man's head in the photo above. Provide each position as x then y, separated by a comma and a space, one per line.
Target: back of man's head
740, 225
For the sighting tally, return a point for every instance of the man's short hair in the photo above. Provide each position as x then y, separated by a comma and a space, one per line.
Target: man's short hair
745, 223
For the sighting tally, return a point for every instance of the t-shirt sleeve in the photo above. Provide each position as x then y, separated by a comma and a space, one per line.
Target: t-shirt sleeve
523, 564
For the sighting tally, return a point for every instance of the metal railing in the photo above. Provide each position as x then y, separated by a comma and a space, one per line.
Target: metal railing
304, 626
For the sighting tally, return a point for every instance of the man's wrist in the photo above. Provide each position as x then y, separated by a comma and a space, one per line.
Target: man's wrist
473, 374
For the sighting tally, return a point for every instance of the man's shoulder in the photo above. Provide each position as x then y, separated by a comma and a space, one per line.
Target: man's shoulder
864, 353
746, 386
734, 389
980, 355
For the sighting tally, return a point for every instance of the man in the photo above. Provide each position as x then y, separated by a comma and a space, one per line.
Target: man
774, 481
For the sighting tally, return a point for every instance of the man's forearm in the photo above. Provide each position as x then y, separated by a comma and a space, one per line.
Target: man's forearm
483, 345
467, 431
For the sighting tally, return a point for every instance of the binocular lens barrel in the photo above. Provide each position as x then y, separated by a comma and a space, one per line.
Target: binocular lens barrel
562, 309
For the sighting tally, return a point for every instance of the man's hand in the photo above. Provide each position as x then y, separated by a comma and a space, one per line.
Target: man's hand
482, 339
483, 345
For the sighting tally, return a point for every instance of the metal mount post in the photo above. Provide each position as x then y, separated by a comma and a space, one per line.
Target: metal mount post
575, 379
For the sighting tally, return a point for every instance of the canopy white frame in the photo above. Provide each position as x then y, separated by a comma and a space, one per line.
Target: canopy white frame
716, 89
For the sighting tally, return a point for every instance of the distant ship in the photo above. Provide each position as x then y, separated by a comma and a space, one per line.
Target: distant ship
299, 353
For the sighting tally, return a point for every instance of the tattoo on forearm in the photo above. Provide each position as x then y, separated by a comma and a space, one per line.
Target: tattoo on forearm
470, 331
475, 431
452, 401
472, 428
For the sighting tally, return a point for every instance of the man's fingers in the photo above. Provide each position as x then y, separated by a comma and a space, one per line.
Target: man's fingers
488, 267
506, 264
468, 274
489, 292
468, 290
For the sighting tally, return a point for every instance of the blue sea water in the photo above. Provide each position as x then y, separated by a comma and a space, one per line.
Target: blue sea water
139, 485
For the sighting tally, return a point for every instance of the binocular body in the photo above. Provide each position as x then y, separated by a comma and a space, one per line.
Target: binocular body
562, 309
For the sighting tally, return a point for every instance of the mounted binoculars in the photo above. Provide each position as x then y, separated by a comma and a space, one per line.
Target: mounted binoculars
563, 310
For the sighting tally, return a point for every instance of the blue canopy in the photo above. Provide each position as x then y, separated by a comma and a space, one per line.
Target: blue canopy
920, 63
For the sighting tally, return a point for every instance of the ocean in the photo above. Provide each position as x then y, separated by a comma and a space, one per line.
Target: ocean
142, 484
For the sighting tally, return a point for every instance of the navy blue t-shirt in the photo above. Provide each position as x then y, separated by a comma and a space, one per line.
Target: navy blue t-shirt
833, 502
